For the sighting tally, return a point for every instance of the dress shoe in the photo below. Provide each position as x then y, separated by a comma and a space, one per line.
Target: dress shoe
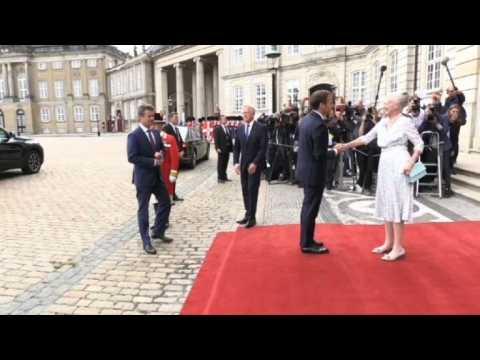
315, 250
164, 238
243, 221
149, 249
227, 180
176, 198
251, 223
318, 243
221, 181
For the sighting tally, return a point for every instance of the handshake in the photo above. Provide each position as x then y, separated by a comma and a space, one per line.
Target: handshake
340, 148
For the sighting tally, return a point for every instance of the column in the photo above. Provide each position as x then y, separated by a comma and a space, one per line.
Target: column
194, 93
10, 80
27, 80
220, 86
161, 89
180, 92
5, 79
200, 93
215, 87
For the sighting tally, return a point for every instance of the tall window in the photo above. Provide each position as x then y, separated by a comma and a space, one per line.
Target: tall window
394, 71
44, 114
433, 66
22, 88
43, 89
94, 113
42, 66
293, 49
77, 88
2, 89
93, 87
58, 65
237, 99
59, 90
261, 96
293, 91
359, 86
78, 113
91, 63
60, 113
131, 80
139, 77
260, 52
238, 55
76, 64
133, 110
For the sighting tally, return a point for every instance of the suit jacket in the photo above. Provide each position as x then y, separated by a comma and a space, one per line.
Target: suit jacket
313, 151
141, 154
170, 130
253, 149
223, 141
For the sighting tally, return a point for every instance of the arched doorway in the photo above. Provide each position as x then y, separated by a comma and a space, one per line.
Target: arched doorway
21, 121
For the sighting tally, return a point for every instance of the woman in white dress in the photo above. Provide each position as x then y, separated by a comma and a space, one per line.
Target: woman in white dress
394, 196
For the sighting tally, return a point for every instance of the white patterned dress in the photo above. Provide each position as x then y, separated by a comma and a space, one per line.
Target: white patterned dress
394, 197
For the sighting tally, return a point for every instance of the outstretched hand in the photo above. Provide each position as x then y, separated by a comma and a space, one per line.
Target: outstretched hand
340, 148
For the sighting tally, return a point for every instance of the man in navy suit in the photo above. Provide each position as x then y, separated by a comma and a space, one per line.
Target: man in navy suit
145, 150
249, 161
311, 171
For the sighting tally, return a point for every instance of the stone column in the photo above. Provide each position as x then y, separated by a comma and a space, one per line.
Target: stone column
194, 93
27, 80
215, 86
180, 92
200, 93
5, 79
10, 80
220, 86
161, 89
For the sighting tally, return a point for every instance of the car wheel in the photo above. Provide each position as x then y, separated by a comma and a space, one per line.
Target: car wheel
193, 163
33, 163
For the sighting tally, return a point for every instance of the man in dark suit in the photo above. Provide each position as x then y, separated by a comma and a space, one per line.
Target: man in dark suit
171, 128
311, 172
145, 151
249, 160
223, 146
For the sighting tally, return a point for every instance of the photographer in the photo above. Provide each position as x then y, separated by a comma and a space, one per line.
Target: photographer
455, 121
455, 97
439, 124
415, 111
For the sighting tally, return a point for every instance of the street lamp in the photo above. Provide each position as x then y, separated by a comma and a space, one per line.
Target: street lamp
273, 54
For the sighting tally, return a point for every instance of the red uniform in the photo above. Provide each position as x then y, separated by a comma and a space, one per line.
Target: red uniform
171, 162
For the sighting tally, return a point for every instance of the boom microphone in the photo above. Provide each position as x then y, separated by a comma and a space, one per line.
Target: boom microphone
383, 68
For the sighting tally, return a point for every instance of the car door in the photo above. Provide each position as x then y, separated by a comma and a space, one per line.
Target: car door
201, 149
10, 152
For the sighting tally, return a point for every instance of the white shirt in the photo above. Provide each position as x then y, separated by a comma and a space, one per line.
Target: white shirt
146, 131
329, 137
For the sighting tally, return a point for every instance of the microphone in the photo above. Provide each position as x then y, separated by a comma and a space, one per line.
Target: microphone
383, 68
445, 61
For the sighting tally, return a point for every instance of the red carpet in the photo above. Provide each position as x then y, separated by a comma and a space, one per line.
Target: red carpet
261, 271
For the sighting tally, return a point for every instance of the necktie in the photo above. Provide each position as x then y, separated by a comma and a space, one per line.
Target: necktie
247, 133
150, 137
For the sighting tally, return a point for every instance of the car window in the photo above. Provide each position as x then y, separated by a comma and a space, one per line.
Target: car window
3, 135
183, 132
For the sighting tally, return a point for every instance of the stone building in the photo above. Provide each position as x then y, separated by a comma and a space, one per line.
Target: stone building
48, 89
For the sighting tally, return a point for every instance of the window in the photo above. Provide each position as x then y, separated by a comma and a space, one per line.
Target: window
78, 113
293, 49
2, 89
76, 64
139, 77
77, 88
237, 99
94, 113
325, 47
433, 66
237, 55
93, 87
130, 80
59, 91
43, 89
44, 114
3, 135
293, 91
133, 109
60, 113
58, 65
260, 52
261, 96
91, 63
42, 66
394, 71
359, 86
22, 88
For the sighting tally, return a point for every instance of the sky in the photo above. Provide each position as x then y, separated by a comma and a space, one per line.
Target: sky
129, 48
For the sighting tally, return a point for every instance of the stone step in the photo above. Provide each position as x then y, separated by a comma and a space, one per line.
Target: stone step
466, 192
468, 181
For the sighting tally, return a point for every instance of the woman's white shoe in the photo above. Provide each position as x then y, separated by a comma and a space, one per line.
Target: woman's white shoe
394, 257
381, 249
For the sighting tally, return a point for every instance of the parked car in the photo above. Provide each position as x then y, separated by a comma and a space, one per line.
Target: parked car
18, 152
195, 146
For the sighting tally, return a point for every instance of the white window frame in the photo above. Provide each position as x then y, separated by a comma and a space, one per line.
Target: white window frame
43, 89
293, 89
76, 64
22, 87
261, 96
3, 90
95, 113
77, 88
92, 63
359, 86
293, 50
393, 60
57, 65
78, 113
93, 90
44, 114
238, 99
59, 89
133, 110
42, 66
260, 51
434, 59
60, 113
238, 55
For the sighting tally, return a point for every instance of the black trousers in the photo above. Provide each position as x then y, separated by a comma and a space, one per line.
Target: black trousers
250, 187
311, 205
162, 210
222, 165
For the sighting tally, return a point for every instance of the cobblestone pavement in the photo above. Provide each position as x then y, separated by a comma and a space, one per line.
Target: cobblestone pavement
70, 243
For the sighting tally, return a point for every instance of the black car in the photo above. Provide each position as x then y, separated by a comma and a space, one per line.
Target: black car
18, 152
195, 146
